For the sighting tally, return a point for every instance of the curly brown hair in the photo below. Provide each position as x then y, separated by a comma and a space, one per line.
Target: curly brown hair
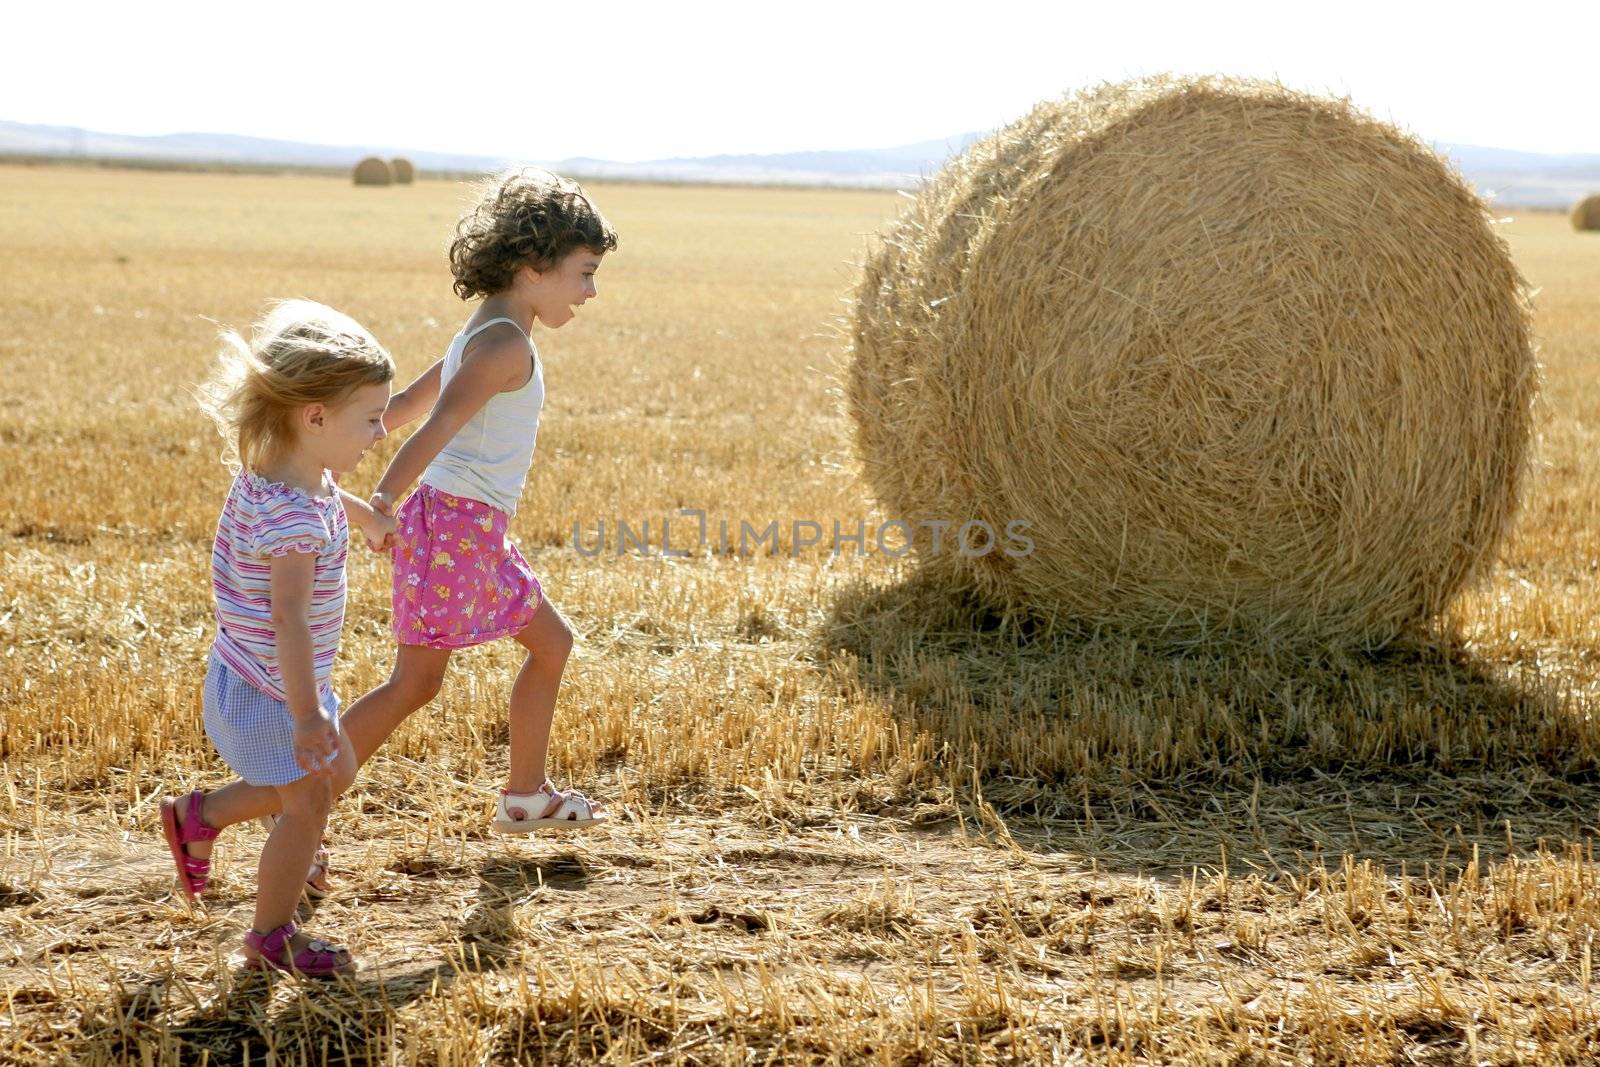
528, 217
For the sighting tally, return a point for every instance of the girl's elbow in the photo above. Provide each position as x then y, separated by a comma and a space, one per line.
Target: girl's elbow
285, 619
394, 415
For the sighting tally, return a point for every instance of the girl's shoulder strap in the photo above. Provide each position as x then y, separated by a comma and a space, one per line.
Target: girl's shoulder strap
468, 335
458, 347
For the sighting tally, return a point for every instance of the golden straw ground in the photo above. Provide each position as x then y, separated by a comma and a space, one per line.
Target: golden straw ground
861, 820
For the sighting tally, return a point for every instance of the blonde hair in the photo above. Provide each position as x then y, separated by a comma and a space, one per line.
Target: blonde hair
299, 353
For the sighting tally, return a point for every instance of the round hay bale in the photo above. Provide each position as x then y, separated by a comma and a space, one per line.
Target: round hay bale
1248, 363
1586, 214
373, 171
404, 172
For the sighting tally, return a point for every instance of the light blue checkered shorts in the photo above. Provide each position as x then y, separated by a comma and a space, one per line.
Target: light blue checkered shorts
253, 733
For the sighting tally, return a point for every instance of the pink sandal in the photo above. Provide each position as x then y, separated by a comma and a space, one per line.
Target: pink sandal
193, 872
319, 959
549, 809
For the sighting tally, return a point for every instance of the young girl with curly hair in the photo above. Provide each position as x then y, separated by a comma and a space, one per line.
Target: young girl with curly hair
529, 248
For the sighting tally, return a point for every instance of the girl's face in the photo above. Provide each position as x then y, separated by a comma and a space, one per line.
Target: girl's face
557, 293
341, 434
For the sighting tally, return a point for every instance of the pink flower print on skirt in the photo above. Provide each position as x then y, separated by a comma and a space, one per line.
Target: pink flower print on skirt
457, 580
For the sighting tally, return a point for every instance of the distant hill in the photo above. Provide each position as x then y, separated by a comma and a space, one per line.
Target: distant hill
888, 167
1527, 179
891, 168
17, 138
1509, 178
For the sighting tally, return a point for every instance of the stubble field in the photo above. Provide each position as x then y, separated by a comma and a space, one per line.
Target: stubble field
859, 819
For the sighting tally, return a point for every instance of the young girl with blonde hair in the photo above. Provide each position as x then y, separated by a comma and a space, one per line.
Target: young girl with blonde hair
302, 401
529, 248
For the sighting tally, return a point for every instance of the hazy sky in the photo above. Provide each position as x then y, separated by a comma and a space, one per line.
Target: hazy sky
541, 80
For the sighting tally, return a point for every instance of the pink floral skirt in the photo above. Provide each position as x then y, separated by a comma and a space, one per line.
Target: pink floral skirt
458, 581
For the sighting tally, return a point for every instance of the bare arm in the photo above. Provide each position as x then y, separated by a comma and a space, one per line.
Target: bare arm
409, 403
289, 584
375, 527
490, 369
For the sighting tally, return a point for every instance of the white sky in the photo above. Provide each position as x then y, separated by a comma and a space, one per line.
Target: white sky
541, 80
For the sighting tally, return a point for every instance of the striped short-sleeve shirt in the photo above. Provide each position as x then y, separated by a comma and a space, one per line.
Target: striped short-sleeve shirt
262, 519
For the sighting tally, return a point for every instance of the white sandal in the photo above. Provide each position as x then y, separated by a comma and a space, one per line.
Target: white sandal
558, 811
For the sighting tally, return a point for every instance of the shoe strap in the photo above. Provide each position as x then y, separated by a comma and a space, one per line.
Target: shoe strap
194, 828
319, 957
272, 942
546, 788
561, 798
546, 792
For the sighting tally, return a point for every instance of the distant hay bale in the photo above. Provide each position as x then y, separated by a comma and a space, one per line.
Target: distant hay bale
404, 172
1249, 364
373, 171
1586, 213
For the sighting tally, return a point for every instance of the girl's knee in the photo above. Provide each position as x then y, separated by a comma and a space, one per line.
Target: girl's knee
551, 651
555, 636
310, 797
419, 688
344, 769
547, 637
561, 642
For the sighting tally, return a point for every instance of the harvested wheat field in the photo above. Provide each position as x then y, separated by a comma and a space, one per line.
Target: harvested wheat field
859, 818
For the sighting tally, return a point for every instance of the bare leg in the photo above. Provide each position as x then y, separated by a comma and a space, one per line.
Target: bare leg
533, 696
239, 801
280, 876
415, 680
418, 673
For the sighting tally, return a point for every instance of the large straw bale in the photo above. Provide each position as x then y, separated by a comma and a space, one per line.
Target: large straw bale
373, 171
1250, 364
404, 172
1586, 213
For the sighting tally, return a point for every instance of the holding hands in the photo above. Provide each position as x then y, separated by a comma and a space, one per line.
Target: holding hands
382, 505
316, 742
375, 520
381, 534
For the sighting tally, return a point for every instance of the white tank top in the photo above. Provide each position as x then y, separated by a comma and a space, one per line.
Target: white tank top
489, 457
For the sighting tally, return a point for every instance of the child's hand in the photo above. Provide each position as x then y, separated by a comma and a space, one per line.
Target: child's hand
316, 742
382, 503
382, 532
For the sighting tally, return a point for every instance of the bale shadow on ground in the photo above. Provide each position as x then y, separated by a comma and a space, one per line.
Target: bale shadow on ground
1146, 758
